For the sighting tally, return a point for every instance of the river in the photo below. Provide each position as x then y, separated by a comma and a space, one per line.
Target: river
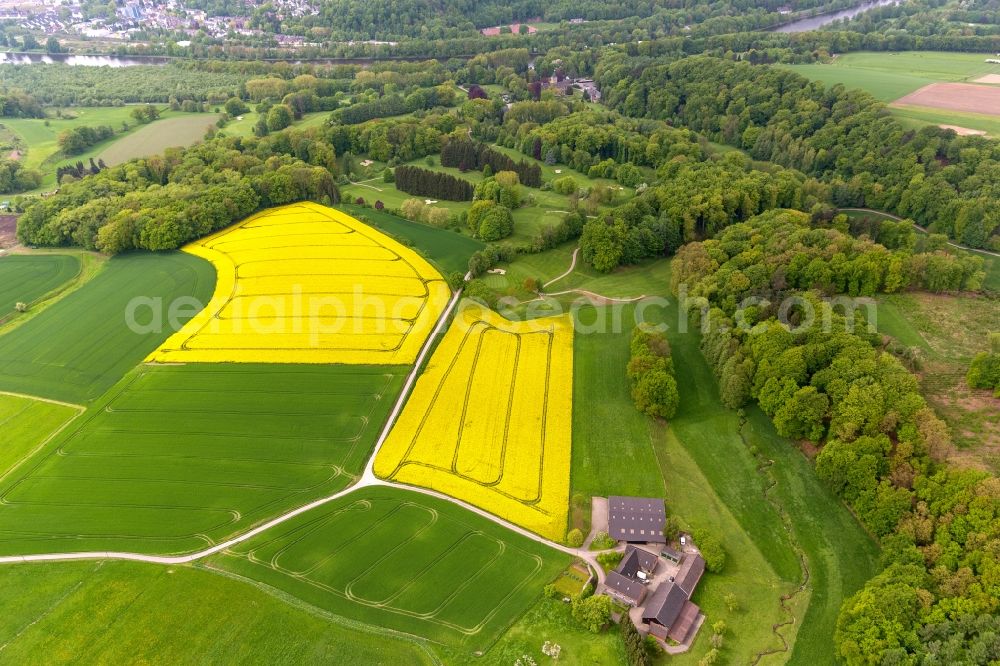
132, 61
818, 21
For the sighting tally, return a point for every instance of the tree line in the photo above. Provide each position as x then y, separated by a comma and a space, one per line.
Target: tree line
436, 184
843, 137
651, 374
466, 154
77, 139
163, 202
820, 374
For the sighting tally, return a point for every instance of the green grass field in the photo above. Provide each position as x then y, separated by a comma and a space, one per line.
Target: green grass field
39, 136
26, 424
177, 458
27, 278
552, 620
702, 463
889, 76
129, 612
611, 451
948, 330
448, 250
153, 139
78, 347
405, 561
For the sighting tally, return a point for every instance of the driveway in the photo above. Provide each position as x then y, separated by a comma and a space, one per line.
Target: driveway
598, 519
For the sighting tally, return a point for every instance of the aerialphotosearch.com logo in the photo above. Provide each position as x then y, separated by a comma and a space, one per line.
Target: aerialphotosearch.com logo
361, 313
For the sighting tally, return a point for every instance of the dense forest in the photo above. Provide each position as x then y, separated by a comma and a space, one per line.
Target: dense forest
160, 203
820, 375
844, 137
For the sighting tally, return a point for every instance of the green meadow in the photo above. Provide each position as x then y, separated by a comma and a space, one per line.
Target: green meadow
39, 137
404, 561
130, 612
889, 76
154, 138
78, 348
27, 424
27, 278
177, 458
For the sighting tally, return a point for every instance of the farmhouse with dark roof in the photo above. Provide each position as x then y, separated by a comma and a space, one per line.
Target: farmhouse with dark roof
636, 519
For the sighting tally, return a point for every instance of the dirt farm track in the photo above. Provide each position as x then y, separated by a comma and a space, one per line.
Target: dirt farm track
966, 97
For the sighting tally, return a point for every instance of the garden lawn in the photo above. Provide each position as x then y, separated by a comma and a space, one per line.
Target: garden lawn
448, 250
78, 347
130, 612
552, 620
27, 278
27, 423
406, 562
177, 458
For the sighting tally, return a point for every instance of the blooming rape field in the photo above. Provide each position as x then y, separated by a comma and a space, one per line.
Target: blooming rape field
489, 421
304, 283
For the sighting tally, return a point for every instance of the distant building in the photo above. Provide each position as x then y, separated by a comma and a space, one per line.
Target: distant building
636, 519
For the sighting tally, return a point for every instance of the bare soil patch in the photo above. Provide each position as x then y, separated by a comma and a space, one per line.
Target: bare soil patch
967, 97
989, 78
963, 131
8, 230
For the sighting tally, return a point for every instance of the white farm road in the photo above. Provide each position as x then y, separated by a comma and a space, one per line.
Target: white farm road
367, 480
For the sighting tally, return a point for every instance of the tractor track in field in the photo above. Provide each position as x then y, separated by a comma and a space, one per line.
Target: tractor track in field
366, 480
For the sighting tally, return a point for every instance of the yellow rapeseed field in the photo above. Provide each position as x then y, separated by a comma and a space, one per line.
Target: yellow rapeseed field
490, 420
308, 284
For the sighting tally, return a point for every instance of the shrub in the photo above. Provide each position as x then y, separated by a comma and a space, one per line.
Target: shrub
593, 613
574, 538
565, 185
610, 559
711, 549
603, 541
